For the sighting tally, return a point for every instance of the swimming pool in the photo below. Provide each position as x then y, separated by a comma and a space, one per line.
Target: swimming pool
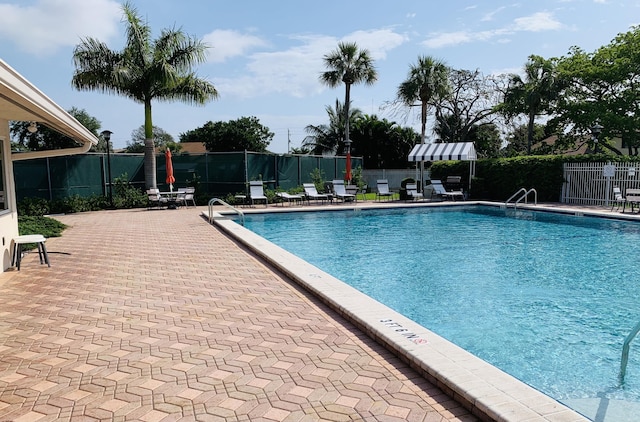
548, 298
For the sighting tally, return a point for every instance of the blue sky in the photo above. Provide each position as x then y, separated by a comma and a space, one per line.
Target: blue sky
266, 56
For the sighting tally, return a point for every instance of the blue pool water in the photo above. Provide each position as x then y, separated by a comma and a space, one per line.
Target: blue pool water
547, 298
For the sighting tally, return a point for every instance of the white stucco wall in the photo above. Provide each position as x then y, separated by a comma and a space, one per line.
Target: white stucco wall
8, 217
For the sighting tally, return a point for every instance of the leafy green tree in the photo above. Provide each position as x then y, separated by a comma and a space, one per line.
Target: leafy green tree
45, 138
302, 150
518, 139
426, 82
534, 94
382, 143
349, 65
603, 87
160, 139
486, 138
144, 71
328, 138
245, 133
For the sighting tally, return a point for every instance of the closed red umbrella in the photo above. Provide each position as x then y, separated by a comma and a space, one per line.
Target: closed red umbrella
348, 170
170, 179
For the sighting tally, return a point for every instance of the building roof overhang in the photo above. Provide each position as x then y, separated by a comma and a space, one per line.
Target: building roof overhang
22, 101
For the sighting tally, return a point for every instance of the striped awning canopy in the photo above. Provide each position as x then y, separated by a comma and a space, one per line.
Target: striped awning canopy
464, 151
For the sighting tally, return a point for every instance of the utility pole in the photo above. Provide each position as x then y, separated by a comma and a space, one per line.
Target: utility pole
288, 141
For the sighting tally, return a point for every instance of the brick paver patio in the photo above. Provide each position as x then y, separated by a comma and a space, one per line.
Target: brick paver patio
157, 316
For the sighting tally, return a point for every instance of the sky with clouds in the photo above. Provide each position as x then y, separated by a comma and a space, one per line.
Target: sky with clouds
265, 57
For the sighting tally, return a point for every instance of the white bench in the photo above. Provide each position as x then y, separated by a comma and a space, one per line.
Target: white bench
38, 239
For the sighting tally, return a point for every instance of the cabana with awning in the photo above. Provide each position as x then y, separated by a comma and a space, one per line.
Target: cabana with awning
459, 151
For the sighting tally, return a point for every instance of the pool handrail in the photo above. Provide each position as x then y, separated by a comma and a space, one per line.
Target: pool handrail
213, 201
625, 352
525, 195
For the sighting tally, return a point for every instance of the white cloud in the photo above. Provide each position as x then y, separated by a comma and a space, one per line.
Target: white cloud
448, 38
226, 44
542, 21
49, 25
489, 16
378, 41
296, 70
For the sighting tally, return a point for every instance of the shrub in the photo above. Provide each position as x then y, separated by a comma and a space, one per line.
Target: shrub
126, 195
317, 177
33, 207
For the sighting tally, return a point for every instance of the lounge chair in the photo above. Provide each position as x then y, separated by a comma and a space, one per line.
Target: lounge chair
256, 192
618, 199
438, 189
341, 193
412, 191
290, 198
383, 190
311, 192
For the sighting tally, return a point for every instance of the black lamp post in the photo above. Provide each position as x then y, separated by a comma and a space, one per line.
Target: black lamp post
106, 135
596, 130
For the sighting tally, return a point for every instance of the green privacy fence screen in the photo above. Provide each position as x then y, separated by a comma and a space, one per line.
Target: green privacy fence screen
217, 174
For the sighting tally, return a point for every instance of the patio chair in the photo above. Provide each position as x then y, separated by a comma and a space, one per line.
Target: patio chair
256, 192
155, 199
618, 199
180, 197
340, 191
439, 190
412, 191
311, 192
189, 196
383, 190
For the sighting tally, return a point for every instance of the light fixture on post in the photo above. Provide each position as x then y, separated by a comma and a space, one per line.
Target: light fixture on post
596, 130
32, 128
106, 135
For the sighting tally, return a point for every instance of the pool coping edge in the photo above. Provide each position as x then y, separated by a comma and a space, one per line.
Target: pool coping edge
488, 392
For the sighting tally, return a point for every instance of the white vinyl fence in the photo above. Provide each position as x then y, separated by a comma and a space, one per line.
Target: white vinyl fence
592, 183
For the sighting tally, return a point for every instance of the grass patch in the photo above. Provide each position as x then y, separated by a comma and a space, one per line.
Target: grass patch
46, 226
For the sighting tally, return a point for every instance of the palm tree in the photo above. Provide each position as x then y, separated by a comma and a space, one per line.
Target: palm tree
323, 139
145, 70
349, 65
427, 80
533, 94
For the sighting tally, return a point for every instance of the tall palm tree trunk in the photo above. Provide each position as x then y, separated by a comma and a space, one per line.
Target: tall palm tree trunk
423, 120
423, 138
532, 118
347, 99
149, 149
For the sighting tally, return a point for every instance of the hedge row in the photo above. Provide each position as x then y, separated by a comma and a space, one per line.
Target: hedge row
499, 178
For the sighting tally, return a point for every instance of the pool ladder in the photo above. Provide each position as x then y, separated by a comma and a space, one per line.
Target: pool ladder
213, 201
520, 195
625, 352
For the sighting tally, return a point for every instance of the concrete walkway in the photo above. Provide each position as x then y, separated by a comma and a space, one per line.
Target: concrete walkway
158, 316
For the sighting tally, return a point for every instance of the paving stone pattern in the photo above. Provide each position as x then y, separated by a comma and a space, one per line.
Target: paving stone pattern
157, 316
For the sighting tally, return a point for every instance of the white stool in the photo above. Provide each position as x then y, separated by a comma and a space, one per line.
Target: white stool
29, 238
